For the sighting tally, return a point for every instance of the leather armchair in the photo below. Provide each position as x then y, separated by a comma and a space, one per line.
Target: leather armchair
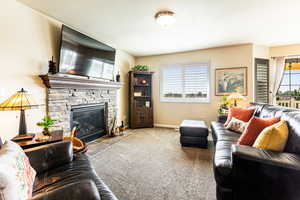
47, 157
78, 190
264, 174
60, 175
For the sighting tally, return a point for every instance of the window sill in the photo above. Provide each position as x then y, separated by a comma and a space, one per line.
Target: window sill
206, 101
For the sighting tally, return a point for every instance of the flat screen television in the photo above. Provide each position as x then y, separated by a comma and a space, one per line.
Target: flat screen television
84, 56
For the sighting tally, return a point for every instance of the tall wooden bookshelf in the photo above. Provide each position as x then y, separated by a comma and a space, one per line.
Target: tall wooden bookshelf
140, 100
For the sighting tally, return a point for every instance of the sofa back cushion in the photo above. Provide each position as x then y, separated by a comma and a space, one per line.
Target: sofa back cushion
291, 116
293, 121
47, 157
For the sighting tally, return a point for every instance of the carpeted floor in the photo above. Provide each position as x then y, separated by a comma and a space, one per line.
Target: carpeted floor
150, 164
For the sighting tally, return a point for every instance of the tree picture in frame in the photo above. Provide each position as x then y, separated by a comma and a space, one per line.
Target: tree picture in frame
231, 80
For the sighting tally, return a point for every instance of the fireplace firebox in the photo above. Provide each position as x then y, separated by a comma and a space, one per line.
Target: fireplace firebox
89, 120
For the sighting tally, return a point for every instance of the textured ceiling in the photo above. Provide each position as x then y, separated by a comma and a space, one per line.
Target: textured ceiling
129, 24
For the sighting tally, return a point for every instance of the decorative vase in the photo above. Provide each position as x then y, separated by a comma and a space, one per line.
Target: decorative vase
46, 132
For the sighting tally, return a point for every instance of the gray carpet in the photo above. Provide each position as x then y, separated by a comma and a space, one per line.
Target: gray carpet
150, 164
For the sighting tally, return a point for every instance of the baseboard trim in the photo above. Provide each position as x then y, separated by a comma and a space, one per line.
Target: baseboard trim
166, 126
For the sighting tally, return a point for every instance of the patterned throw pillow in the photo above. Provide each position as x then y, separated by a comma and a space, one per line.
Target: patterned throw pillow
236, 125
243, 114
16, 174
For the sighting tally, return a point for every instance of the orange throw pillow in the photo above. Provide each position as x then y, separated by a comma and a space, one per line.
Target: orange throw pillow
254, 128
243, 114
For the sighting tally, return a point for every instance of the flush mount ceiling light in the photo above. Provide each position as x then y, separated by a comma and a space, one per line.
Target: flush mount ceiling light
165, 18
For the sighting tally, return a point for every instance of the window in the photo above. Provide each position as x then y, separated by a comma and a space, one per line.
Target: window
289, 92
185, 83
261, 80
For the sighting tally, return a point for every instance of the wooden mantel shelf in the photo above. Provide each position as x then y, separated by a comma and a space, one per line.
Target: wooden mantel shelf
58, 81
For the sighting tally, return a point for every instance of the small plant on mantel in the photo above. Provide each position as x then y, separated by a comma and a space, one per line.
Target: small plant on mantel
141, 68
46, 123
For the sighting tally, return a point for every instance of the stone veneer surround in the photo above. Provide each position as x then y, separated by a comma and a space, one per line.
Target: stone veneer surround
60, 101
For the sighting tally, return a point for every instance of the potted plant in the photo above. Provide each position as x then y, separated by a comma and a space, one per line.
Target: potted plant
141, 68
224, 105
46, 123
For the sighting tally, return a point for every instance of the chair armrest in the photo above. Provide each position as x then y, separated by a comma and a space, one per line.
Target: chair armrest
85, 189
264, 174
268, 157
49, 156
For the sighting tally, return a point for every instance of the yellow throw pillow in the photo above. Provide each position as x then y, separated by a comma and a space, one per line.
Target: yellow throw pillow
273, 137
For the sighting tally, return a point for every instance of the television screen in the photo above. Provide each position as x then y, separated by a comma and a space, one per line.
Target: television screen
84, 56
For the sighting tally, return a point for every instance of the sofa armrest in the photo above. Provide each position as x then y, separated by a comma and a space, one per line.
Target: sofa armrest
85, 189
264, 174
49, 156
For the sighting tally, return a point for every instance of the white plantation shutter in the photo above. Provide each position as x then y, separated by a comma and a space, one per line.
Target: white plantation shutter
185, 83
173, 82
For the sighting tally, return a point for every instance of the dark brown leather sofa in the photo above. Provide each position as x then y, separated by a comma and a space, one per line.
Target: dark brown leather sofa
64, 177
248, 173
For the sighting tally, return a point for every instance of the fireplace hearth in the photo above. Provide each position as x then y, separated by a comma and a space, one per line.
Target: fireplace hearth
90, 120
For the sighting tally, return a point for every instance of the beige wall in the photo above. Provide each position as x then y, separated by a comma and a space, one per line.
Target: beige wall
223, 57
125, 62
287, 50
28, 40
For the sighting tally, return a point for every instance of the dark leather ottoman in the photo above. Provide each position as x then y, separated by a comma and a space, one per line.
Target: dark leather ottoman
193, 133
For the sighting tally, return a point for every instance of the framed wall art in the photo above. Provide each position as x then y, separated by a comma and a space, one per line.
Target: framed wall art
231, 80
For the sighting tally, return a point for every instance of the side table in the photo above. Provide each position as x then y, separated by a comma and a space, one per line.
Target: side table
56, 136
222, 118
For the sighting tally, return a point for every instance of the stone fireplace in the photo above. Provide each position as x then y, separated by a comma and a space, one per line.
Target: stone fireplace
89, 104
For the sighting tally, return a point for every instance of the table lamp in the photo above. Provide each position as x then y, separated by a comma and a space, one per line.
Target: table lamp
20, 101
236, 97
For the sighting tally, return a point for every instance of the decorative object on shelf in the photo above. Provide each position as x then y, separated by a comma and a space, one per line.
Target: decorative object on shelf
236, 97
20, 101
140, 100
52, 67
224, 106
231, 80
144, 82
118, 77
147, 104
137, 94
41, 138
141, 68
46, 123
165, 18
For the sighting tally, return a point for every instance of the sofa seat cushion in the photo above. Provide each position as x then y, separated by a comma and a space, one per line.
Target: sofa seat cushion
220, 133
223, 163
79, 169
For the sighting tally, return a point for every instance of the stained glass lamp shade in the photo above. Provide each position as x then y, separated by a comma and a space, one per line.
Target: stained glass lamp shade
236, 97
19, 101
